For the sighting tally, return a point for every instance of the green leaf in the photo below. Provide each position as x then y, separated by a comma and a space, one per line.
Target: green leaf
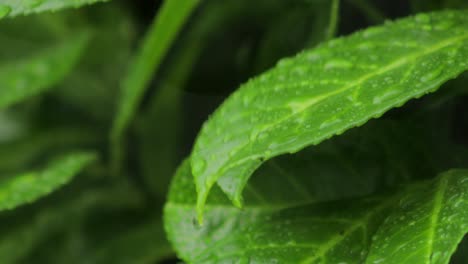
155, 45
325, 91
34, 74
27, 149
29, 228
427, 226
277, 228
91, 86
28, 187
12, 8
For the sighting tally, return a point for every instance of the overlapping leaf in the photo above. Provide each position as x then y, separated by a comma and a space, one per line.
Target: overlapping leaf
12, 8
428, 224
274, 228
325, 91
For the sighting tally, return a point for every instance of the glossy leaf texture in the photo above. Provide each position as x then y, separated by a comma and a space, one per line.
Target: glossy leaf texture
428, 224
397, 227
27, 187
12, 8
25, 77
325, 91
161, 34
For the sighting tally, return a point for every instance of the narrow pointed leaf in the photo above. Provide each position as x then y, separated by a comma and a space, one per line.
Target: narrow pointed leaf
323, 92
26, 77
160, 36
12, 8
273, 230
28, 187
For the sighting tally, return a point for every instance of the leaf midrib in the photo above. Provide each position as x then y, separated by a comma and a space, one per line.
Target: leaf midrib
438, 199
360, 222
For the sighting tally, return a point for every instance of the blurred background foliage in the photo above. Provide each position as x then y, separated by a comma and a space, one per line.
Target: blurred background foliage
100, 218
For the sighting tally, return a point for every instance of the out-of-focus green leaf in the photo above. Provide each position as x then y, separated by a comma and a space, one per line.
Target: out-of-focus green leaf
29, 76
160, 36
288, 108
143, 244
91, 87
25, 231
27, 187
12, 8
28, 149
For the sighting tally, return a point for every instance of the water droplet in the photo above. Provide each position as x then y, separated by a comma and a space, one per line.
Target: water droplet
380, 98
431, 75
313, 57
378, 261
246, 100
427, 27
199, 166
423, 18
338, 64
284, 63
329, 123
35, 3
444, 25
366, 46
4, 10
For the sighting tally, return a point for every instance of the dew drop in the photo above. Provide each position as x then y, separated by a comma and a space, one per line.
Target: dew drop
444, 25
35, 3
338, 64
313, 57
366, 46
423, 18
431, 75
284, 63
379, 99
329, 123
199, 166
4, 10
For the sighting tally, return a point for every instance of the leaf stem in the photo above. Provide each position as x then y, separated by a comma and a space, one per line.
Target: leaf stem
333, 25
